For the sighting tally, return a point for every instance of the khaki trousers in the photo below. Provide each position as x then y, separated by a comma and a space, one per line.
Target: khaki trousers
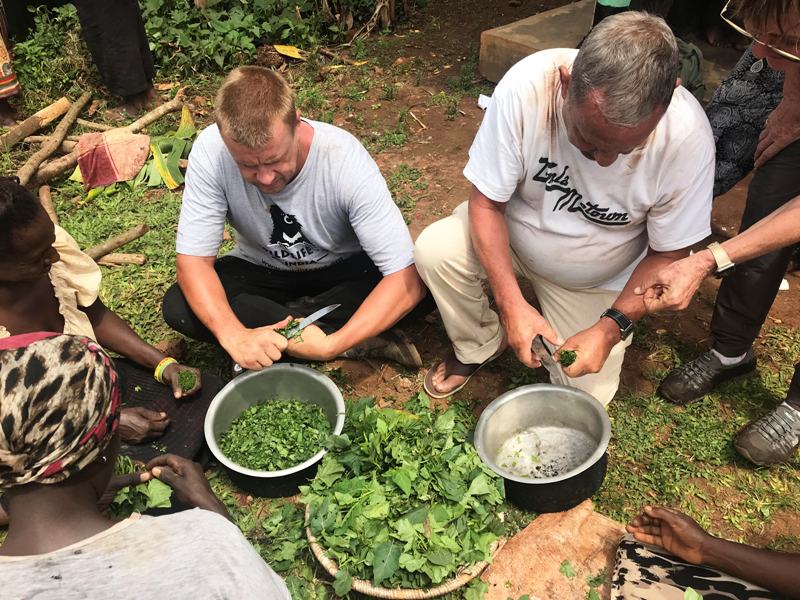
449, 266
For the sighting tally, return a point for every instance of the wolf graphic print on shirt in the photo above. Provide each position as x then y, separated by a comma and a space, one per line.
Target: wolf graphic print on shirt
288, 244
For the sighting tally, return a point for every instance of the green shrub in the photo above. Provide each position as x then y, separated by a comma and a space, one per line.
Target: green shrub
53, 61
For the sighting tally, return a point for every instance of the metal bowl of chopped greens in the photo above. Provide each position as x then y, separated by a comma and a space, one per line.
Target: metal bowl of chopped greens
548, 442
269, 429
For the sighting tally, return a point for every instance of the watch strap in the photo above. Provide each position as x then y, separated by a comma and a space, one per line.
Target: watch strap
621, 319
721, 257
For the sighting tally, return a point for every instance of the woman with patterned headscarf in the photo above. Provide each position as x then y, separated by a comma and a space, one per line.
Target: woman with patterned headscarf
59, 414
48, 284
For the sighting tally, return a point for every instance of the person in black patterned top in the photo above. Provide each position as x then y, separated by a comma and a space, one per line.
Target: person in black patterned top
755, 117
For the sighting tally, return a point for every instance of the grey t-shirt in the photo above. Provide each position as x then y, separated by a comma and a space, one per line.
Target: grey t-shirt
188, 555
337, 206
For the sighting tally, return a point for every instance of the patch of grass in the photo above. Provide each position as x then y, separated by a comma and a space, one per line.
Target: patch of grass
355, 92
57, 43
403, 183
449, 101
469, 82
388, 92
133, 292
393, 138
310, 97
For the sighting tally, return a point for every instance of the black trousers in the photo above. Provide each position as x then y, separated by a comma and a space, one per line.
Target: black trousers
115, 35
793, 395
261, 296
747, 294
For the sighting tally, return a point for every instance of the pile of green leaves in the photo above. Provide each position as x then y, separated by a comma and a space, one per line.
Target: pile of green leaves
402, 498
275, 435
138, 498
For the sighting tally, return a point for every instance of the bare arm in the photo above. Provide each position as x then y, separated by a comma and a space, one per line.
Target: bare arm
593, 345
490, 239
680, 535
672, 287
200, 284
116, 335
394, 297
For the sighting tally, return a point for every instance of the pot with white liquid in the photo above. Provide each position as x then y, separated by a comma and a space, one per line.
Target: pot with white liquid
548, 442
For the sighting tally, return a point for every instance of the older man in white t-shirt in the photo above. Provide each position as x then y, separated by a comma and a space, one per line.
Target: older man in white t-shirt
591, 170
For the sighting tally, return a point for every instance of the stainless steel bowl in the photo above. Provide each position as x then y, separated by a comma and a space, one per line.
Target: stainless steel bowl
284, 381
546, 405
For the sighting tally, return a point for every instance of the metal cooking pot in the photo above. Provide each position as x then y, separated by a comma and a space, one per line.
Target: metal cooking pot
544, 404
283, 381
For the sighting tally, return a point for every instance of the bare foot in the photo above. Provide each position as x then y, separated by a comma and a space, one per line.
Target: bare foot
451, 374
8, 116
136, 103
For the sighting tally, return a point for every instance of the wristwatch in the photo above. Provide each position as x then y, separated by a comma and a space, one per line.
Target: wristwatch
624, 323
724, 262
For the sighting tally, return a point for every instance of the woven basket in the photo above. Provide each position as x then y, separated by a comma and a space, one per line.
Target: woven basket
365, 587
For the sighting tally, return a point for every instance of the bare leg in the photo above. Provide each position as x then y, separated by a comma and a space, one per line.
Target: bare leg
8, 116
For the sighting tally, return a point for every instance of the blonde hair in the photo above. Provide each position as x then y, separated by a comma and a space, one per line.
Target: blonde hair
250, 101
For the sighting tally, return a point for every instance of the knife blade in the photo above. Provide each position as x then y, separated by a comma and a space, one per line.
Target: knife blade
312, 318
539, 348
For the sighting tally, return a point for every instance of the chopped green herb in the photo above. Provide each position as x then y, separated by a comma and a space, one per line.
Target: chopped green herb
275, 435
284, 331
138, 498
403, 499
566, 357
187, 380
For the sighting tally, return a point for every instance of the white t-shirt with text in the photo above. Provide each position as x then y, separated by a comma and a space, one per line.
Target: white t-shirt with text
571, 221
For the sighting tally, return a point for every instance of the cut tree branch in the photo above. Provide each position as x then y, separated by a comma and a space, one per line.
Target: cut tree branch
41, 139
95, 126
33, 123
46, 199
28, 170
117, 241
118, 258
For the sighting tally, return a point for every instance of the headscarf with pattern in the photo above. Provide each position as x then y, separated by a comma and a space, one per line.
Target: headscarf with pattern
59, 406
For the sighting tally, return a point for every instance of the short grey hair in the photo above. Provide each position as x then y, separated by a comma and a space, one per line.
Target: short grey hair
632, 59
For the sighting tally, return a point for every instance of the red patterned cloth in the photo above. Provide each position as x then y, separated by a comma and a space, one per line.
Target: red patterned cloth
111, 156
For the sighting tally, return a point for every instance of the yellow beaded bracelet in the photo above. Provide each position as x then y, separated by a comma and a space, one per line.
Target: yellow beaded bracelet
160, 367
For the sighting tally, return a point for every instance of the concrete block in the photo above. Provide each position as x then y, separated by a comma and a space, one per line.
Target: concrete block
562, 27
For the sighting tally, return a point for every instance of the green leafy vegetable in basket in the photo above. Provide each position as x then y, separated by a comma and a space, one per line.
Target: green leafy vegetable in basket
138, 498
403, 499
275, 435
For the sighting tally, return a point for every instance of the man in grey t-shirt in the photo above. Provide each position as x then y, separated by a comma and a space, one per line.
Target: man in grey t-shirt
315, 225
